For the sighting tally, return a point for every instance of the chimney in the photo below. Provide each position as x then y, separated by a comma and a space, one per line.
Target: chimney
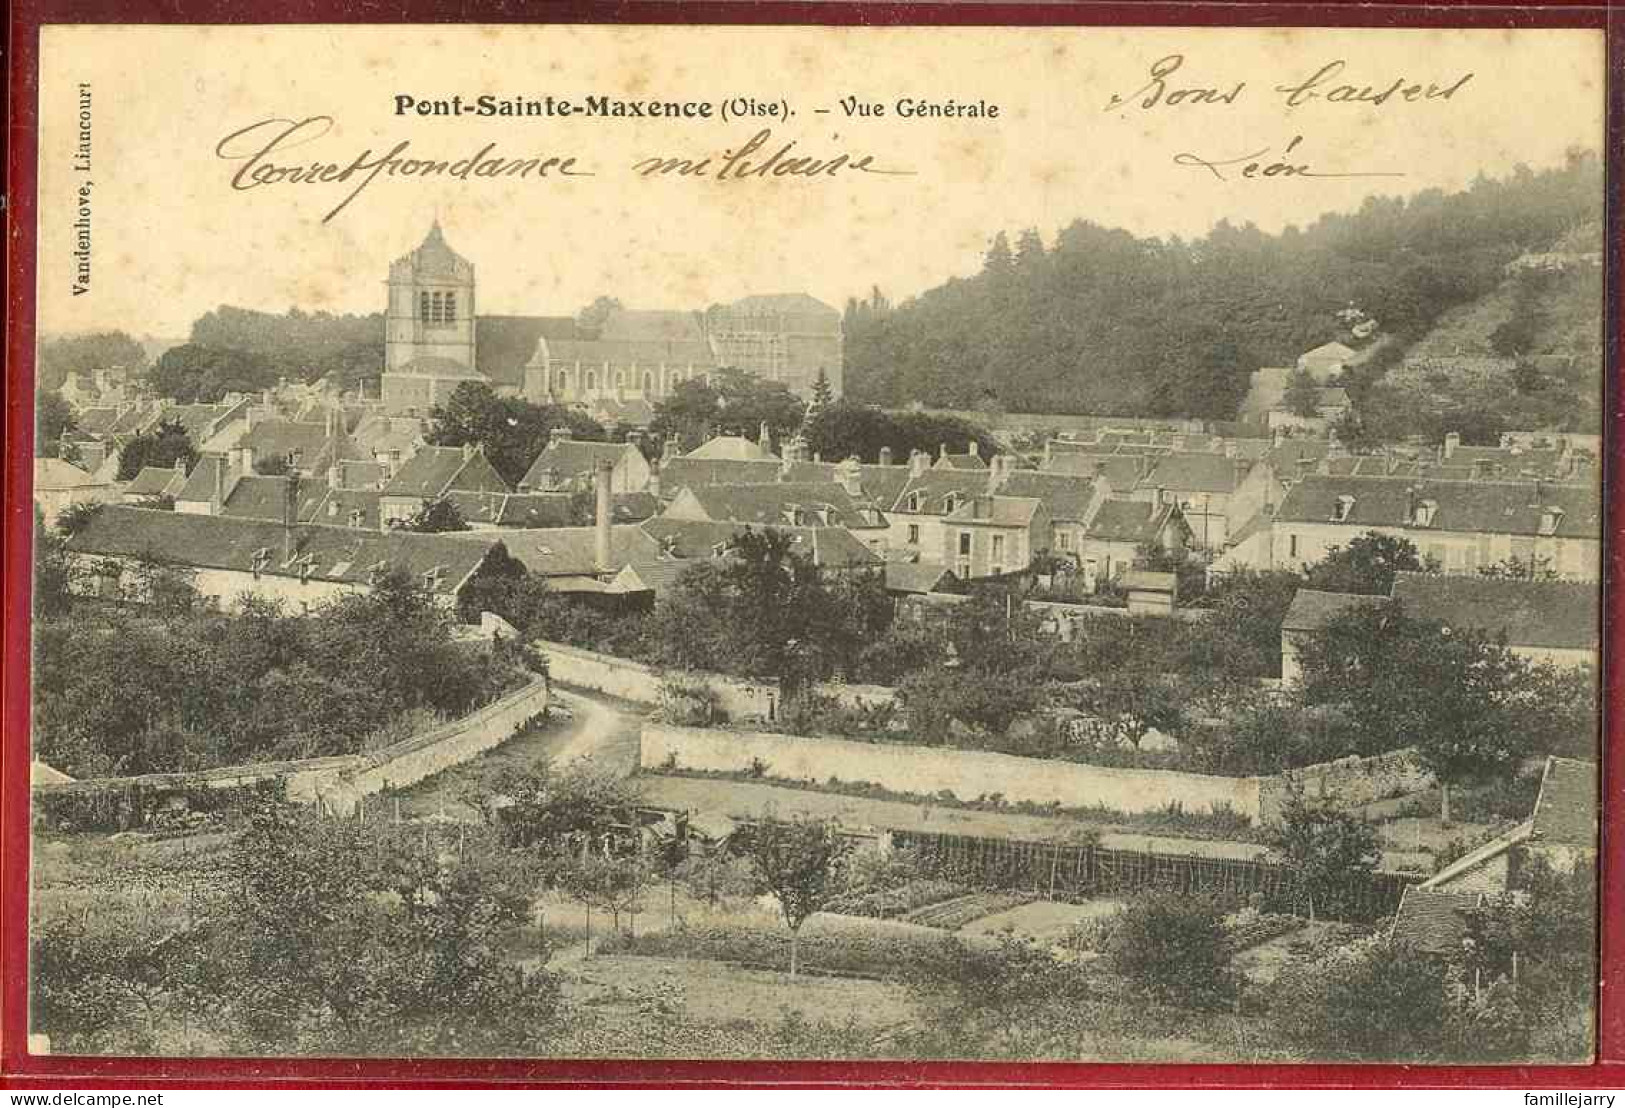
975, 448
942, 451
850, 475
764, 437
818, 457
601, 547
1452, 440
180, 465
918, 462
1049, 452
248, 417
885, 455
335, 422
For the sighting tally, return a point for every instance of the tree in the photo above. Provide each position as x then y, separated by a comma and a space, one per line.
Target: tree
1450, 693
798, 861
272, 465
159, 448
86, 353
591, 319
1366, 565
193, 373
1332, 853
53, 571
823, 393
1370, 1001
436, 516
731, 402
513, 431
1174, 946
53, 418
1302, 396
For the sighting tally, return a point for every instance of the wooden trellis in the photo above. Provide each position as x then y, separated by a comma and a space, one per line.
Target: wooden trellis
1064, 870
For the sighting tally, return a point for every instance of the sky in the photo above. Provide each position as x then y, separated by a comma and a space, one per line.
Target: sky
171, 238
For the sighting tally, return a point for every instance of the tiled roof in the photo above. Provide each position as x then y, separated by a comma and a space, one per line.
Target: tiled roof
571, 459
200, 483
151, 481
830, 547
1554, 614
1312, 610
362, 475
436, 470
790, 302
570, 551
962, 461
680, 473
768, 503
656, 577
916, 577
1489, 507
54, 473
631, 352
734, 448
254, 497
1135, 521
936, 487
997, 511
1566, 808
1200, 473
1066, 496
506, 509
1476, 857
342, 508
1122, 471
1431, 921
330, 553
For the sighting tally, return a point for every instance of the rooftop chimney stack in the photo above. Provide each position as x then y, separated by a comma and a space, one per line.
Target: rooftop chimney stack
1451, 441
918, 462
219, 498
885, 455
975, 448
602, 475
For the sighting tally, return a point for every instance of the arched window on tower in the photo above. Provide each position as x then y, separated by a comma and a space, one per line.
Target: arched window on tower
451, 308
424, 308
591, 380
436, 309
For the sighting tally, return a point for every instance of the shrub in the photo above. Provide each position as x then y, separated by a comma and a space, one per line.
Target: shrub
1175, 947
690, 702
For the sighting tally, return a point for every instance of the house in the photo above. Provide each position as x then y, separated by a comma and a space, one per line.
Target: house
734, 448
567, 466
833, 549
1203, 485
1461, 526
388, 440
927, 497
1331, 406
677, 472
433, 473
1111, 544
153, 482
305, 448
580, 560
1543, 621
208, 485
1491, 868
1072, 501
1433, 921
59, 484
970, 460
992, 535
1307, 616
498, 510
908, 579
784, 503
300, 564
1326, 360
1564, 834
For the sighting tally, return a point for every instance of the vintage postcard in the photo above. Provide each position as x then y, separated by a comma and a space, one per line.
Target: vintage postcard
924, 543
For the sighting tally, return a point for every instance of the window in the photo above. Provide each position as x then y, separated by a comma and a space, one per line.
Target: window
962, 568
916, 501
449, 309
950, 502
1063, 540
620, 380
1550, 520
425, 308
998, 549
1341, 509
592, 380
1292, 546
914, 534
964, 544
1423, 516
648, 382
561, 381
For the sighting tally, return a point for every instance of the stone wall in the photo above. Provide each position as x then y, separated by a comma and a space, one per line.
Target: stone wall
972, 774
967, 774
639, 683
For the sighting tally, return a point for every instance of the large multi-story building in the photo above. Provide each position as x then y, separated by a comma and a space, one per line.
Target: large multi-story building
616, 370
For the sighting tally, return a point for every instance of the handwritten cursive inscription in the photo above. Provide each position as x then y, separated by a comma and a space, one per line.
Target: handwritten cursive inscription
1255, 165
259, 146
1161, 90
746, 163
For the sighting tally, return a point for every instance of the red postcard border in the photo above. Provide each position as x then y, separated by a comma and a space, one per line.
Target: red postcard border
18, 1069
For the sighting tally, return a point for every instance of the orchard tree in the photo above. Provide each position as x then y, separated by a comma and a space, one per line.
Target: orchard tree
1174, 946
159, 448
799, 862
1331, 852
1366, 565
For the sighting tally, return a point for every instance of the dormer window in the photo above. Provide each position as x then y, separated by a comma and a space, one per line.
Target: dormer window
260, 559
432, 578
1423, 516
950, 502
357, 518
916, 501
823, 513
1342, 507
1551, 518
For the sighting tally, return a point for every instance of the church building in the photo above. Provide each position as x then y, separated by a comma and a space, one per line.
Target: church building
615, 371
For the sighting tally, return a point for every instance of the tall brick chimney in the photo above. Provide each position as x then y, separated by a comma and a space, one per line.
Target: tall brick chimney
601, 486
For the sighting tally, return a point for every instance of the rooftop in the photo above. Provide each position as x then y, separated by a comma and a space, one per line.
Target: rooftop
1561, 615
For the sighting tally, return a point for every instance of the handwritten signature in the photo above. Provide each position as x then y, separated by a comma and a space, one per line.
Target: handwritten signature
1256, 165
